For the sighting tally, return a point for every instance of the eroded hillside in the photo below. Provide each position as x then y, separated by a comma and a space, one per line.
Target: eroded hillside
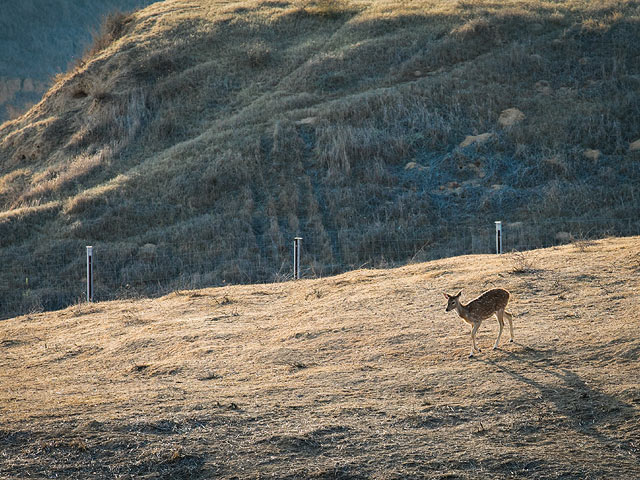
198, 138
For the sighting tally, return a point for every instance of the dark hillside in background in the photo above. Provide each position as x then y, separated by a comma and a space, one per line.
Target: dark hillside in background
196, 139
40, 39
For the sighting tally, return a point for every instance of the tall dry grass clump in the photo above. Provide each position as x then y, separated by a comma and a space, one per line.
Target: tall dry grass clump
113, 27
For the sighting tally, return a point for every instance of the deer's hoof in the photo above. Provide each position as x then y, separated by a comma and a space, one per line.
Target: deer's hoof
471, 355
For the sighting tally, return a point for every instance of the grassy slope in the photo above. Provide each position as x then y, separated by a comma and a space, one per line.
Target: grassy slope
199, 124
354, 376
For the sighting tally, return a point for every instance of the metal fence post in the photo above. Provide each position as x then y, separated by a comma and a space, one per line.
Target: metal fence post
89, 273
297, 241
498, 237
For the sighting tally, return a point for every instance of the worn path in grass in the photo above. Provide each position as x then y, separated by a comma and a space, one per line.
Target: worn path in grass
359, 375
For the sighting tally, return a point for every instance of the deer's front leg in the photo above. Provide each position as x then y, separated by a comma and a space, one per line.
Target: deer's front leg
473, 339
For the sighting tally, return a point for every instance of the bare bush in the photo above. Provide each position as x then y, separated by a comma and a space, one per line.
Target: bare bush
258, 54
521, 262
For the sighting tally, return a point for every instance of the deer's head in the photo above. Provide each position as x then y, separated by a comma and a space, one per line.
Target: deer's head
452, 300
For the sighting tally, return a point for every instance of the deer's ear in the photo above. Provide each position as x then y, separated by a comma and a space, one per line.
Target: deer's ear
459, 293
446, 296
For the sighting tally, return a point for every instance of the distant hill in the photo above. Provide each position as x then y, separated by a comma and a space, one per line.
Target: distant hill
194, 140
41, 39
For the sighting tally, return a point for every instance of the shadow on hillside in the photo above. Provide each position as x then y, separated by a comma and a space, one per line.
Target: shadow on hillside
583, 406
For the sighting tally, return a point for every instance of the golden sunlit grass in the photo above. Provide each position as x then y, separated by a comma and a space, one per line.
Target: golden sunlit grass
362, 375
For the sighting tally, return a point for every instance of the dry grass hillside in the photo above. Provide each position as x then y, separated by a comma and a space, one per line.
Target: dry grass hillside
196, 139
361, 375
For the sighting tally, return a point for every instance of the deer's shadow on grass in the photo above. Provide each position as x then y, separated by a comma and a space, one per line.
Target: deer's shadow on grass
582, 407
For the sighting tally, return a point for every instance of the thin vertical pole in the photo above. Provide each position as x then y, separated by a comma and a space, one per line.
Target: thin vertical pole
296, 257
498, 237
89, 273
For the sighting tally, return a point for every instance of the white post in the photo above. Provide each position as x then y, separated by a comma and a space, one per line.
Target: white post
296, 257
498, 237
89, 273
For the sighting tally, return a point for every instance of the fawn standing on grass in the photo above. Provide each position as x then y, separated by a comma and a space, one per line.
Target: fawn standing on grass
474, 312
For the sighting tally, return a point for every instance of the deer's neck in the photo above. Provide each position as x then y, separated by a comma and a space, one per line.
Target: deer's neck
462, 310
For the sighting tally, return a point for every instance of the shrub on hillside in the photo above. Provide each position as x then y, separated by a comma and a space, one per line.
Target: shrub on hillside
113, 27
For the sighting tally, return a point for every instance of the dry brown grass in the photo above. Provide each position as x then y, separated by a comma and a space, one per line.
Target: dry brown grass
362, 375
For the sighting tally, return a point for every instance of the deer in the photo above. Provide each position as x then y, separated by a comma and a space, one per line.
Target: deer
490, 302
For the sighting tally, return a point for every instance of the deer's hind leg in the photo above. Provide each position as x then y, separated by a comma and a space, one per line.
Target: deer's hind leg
499, 314
510, 318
